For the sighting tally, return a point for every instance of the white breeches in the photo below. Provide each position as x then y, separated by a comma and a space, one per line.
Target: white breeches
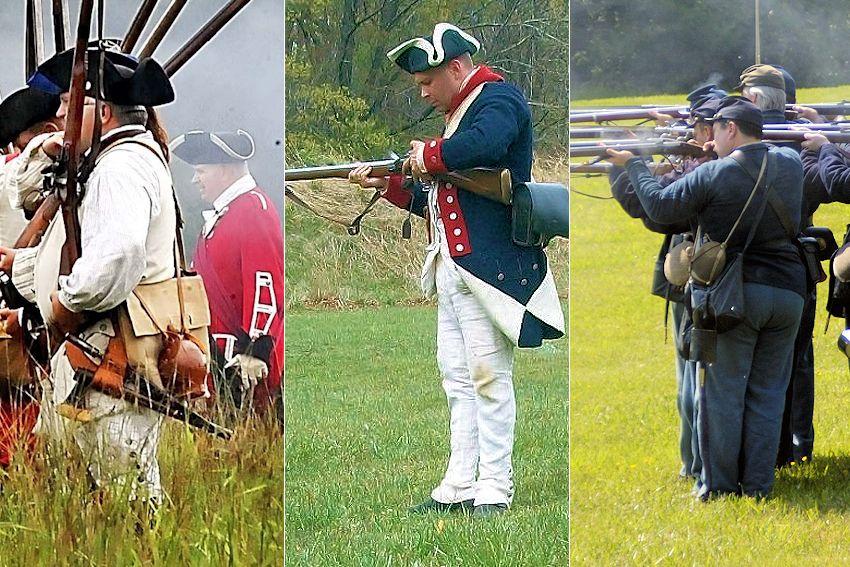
119, 444
476, 363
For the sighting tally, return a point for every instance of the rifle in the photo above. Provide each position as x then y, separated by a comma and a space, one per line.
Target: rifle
628, 114
206, 33
61, 24
488, 182
34, 51
140, 20
603, 168
783, 132
825, 109
162, 28
135, 389
639, 148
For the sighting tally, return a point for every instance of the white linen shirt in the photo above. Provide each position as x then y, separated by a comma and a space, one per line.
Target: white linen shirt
127, 222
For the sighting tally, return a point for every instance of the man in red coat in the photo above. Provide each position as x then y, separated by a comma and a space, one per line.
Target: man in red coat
240, 257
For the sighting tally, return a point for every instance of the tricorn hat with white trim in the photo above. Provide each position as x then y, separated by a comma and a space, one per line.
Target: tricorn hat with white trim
199, 147
423, 53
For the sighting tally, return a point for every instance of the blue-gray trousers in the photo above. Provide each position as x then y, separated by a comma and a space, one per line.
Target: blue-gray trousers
685, 403
745, 393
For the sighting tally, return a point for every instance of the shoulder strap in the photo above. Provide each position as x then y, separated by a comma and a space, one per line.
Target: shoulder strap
747, 204
773, 198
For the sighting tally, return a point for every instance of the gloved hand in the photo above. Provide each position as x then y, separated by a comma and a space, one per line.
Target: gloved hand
251, 369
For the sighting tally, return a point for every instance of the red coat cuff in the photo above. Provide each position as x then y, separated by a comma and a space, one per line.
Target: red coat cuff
433, 156
395, 193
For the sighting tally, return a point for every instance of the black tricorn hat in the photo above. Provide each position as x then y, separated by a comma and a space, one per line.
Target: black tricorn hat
199, 147
24, 109
423, 53
126, 80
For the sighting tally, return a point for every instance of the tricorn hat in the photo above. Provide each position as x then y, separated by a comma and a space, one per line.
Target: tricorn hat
126, 80
199, 147
24, 109
423, 53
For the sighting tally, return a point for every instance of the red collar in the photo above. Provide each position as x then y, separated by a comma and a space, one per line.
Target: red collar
483, 75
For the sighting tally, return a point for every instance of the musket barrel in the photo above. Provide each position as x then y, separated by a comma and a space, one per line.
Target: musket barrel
206, 33
61, 24
165, 24
639, 148
379, 169
34, 51
629, 114
140, 20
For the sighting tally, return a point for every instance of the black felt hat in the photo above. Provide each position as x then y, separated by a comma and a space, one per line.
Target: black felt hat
710, 89
199, 147
24, 109
126, 80
739, 109
423, 53
704, 108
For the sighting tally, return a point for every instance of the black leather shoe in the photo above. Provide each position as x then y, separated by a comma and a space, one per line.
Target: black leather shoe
432, 505
489, 510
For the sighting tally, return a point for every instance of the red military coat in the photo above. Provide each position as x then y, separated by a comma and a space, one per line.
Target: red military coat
241, 261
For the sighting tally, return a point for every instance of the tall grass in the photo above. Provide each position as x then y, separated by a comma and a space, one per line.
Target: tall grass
223, 506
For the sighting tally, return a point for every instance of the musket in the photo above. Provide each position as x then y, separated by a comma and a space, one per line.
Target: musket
34, 52
162, 28
782, 132
69, 160
628, 114
136, 390
825, 109
492, 183
140, 20
61, 24
602, 168
206, 33
640, 148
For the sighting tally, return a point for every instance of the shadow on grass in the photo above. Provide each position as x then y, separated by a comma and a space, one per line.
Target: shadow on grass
823, 484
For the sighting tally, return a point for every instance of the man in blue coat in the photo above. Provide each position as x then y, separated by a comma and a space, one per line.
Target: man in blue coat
492, 294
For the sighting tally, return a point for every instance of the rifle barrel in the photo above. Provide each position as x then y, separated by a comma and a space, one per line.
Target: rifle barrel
206, 33
639, 148
140, 20
34, 50
379, 169
165, 24
627, 114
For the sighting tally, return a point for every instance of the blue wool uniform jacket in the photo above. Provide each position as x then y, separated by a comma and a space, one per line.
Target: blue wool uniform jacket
495, 131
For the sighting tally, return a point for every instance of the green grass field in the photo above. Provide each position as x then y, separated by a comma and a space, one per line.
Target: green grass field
366, 417
628, 506
367, 436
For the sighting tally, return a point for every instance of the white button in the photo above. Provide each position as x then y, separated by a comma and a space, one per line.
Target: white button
459, 247
449, 185
450, 199
433, 143
453, 216
457, 232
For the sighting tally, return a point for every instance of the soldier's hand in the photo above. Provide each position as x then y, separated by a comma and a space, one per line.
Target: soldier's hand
52, 146
412, 163
360, 175
619, 158
814, 141
808, 113
65, 320
661, 119
252, 370
10, 322
7, 258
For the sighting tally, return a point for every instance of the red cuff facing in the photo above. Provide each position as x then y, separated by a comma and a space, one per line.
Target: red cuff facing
433, 156
395, 194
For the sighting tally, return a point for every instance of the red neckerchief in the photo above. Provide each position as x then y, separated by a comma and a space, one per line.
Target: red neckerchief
483, 75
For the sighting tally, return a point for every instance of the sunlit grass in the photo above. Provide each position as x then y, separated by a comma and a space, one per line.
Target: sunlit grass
628, 506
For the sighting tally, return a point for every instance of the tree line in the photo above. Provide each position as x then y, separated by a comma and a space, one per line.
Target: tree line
345, 98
